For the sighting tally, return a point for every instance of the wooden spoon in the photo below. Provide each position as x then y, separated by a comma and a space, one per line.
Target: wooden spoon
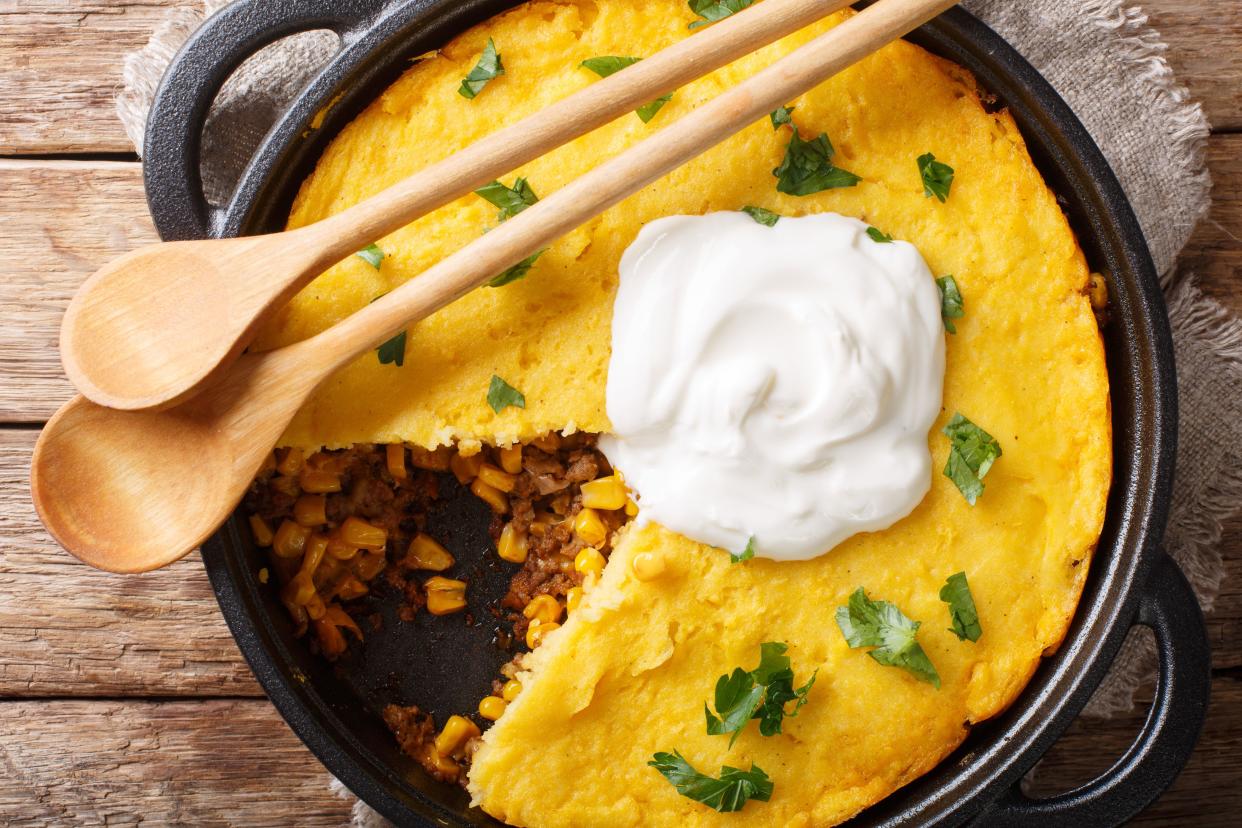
131, 491
150, 328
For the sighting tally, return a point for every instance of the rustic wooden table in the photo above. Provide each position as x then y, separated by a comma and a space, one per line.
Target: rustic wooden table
124, 699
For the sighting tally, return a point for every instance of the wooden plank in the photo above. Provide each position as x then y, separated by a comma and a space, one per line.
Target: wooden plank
1205, 51
234, 762
82, 44
69, 630
201, 763
59, 221
77, 48
1208, 794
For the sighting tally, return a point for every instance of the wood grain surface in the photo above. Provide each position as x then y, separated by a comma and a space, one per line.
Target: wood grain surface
124, 701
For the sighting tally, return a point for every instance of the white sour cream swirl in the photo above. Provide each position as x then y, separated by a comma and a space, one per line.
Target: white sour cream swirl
773, 382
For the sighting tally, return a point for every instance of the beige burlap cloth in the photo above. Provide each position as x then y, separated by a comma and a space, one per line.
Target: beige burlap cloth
1104, 60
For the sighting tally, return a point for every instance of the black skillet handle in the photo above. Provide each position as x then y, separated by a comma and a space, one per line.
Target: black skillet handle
1170, 609
175, 123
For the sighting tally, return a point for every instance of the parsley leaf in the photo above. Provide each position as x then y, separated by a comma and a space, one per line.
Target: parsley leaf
879, 624
765, 217
808, 168
488, 67
782, 116
879, 236
972, 453
393, 351
951, 304
937, 177
746, 554
372, 255
759, 694
501, 395
510, 200
956, 593
610, 64
737, 699
518, 271
713, 10
728, 793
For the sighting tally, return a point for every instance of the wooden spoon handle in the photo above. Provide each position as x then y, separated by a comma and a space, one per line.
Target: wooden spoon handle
580, 113
596, 191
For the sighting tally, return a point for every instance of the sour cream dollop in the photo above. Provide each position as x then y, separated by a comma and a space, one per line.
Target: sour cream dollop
773, 382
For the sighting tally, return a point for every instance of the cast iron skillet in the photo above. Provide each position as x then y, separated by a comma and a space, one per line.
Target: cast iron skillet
445, 665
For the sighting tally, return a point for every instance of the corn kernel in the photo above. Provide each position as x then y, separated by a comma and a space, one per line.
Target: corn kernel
369, 565
291, 462
466, 468
315, 547
311, 510
299, 590
535, 633
351, 588
491, 495
573, 598
317, 481
512, 545
357, 532
341, 551
589, 561
497, 479
264, 575
605, 493
549, 442
543, 609
435, 460
457, 731
331, 642
394, 458
445, 595
631, 508
426, 553
492, 707
511, 458
589, 528
261, 531
290, 540
647, 566
510, 690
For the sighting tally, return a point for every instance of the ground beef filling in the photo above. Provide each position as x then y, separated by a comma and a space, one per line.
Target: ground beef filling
334, 521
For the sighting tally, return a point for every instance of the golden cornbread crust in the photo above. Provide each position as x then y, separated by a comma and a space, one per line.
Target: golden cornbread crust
627, 675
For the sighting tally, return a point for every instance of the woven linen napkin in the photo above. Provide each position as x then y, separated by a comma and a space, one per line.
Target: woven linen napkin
1106, 62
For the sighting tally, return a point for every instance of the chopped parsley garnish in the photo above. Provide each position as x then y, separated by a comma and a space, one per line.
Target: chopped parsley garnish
761, 693
782, 116
393, 351
746, 554
713, 10
728, 793
971, 454
488, 67
951, 304
372, 255
956, 593
765, 217
518, 271
879, 236
501, 395
937, 177
808, 168
510, 200
610, 64
879, 624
